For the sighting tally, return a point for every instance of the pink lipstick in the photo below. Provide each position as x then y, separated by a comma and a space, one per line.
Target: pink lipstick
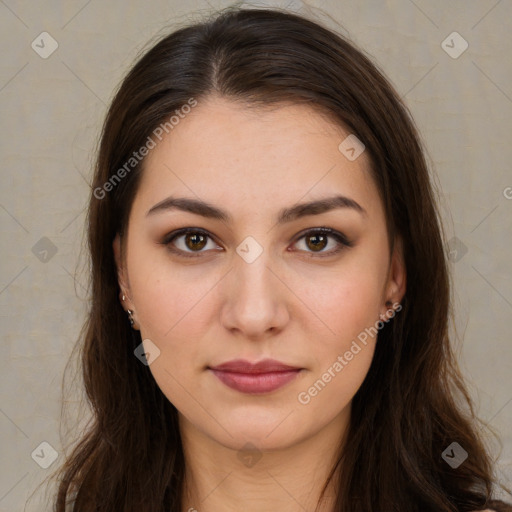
254, 378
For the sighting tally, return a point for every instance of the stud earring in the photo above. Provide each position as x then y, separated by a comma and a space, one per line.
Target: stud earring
386, 316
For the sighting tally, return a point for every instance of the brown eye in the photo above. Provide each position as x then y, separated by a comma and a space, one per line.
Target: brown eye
318, 239
316, 242
195, 241
188, 242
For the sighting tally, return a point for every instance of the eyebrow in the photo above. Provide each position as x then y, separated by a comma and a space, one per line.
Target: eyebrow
285, 215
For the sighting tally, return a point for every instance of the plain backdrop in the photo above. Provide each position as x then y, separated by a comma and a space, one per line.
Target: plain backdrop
52, 107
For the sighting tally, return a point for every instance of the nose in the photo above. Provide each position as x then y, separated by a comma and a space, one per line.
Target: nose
255, 299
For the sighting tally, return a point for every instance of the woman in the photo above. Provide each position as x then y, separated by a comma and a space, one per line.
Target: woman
270, 295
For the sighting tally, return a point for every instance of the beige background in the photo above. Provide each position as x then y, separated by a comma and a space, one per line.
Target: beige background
51, 114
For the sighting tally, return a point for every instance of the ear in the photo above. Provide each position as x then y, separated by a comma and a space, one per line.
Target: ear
124, 285
396, 282
122, 277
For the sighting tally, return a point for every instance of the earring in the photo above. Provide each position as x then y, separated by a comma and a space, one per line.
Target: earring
385, 316
130, 313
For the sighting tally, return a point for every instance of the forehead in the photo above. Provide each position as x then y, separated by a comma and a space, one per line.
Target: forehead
231, 153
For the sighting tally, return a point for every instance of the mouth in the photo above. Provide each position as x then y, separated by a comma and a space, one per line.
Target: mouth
255, 378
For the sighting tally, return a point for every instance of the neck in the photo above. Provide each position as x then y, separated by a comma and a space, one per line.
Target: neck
289, 479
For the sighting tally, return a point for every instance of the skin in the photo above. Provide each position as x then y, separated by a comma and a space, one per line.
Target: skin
291, 304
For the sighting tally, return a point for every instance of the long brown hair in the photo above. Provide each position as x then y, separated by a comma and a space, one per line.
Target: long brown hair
413, 403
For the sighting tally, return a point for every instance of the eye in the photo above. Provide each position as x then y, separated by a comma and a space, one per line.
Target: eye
318, 239
193, 241
190, 242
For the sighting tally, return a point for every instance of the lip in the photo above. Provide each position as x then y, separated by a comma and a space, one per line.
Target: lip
255, 378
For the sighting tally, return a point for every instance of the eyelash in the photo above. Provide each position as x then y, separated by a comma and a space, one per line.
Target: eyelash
339, 237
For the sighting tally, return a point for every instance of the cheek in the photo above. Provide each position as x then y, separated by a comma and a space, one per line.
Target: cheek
348, 303
344, 302
341, 359
174, 308
172, 302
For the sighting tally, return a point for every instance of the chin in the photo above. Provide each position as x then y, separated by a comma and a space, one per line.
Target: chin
262, 429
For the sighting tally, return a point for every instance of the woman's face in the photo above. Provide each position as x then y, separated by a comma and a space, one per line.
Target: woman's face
255, 279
